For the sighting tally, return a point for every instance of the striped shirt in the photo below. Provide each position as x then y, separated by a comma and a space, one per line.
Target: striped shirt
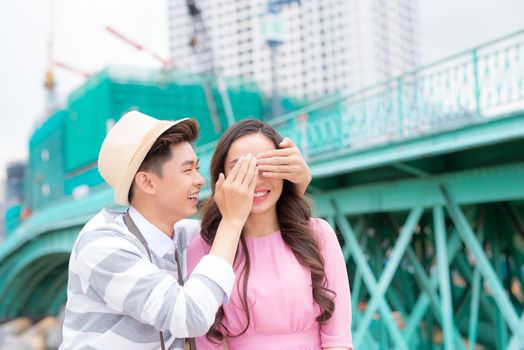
118, 299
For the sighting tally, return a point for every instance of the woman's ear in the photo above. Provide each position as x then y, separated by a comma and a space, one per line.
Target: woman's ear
145, 182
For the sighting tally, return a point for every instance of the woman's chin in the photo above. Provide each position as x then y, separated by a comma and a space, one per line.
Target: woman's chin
259, 209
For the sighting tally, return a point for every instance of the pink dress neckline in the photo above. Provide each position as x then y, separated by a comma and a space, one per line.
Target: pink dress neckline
253, 238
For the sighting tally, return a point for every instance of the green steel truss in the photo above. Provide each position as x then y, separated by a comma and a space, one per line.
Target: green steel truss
441, 267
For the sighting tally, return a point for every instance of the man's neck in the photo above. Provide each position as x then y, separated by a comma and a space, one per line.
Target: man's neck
158, 219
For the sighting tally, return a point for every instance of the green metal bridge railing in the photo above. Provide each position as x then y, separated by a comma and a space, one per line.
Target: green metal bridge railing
468, 88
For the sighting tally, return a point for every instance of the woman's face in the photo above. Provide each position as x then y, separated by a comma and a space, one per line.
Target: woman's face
267, 190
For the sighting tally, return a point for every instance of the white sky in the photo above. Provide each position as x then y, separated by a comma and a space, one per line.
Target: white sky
445, 27
80, 40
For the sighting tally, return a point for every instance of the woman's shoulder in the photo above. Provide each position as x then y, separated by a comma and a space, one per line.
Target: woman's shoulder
321, 226
196, 249
198, 244
324, 232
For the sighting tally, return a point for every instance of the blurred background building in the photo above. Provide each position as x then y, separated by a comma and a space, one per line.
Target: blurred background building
14, 183
329, 46
2, 210
14, 195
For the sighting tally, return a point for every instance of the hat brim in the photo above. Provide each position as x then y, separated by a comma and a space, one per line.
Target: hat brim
122, 190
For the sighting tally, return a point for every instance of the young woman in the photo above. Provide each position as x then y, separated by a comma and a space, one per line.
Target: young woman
292, 289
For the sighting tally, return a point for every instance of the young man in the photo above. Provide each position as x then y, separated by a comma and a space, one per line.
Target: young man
126, 285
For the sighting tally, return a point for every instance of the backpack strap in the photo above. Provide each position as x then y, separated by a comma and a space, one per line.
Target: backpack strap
131, 226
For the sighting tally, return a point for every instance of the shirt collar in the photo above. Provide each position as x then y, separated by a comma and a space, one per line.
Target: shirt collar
157, 240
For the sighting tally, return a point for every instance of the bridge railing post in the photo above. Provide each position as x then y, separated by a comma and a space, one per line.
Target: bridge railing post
476, 83
400, 113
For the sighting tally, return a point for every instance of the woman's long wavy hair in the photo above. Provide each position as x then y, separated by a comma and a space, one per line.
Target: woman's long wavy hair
293, 214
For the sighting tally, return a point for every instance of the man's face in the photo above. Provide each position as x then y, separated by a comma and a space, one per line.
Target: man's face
177, 189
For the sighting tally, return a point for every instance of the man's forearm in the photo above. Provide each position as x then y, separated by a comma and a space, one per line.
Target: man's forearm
226, 240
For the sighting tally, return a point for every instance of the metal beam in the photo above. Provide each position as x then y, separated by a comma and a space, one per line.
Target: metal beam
517, 340
490, 184
428, 294
387, 275
475, 292
410, 169
369, 279
443, 272
501, 298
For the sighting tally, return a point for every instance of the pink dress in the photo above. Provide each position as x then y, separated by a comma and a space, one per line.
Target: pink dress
279, 295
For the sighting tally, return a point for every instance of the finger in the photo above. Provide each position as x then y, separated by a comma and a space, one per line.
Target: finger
234, 172
253, 182
283, 176
287, 143
242, 171
251, 172
278, 160
220, 181
278, 168
283, 152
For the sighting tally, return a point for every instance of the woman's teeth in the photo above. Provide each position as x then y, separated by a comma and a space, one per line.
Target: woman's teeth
260, 194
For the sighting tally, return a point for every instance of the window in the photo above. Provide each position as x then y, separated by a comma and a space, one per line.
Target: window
44, 155
45, 190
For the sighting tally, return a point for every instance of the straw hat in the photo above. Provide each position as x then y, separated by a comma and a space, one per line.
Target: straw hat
125, 147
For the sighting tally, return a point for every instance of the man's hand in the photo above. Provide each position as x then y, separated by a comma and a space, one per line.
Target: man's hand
234, 194
234, 198
285, 163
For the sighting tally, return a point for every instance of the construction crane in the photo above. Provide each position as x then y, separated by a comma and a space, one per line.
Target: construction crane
72, 69
50, 82
200, 43
169, 64
49, 78
166, 62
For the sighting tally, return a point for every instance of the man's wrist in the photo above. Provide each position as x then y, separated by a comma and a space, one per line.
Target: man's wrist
232, 224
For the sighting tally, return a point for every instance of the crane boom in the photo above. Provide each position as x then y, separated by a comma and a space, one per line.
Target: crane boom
72, 69
166, 63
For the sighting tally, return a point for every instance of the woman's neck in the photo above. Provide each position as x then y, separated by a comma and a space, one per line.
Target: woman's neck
258, 225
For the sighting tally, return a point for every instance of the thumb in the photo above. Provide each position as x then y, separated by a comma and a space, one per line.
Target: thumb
287, 143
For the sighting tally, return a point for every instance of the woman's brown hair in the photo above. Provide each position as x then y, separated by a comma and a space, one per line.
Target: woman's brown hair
293, 214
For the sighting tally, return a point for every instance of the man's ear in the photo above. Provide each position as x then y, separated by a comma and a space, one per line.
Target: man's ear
145, 182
